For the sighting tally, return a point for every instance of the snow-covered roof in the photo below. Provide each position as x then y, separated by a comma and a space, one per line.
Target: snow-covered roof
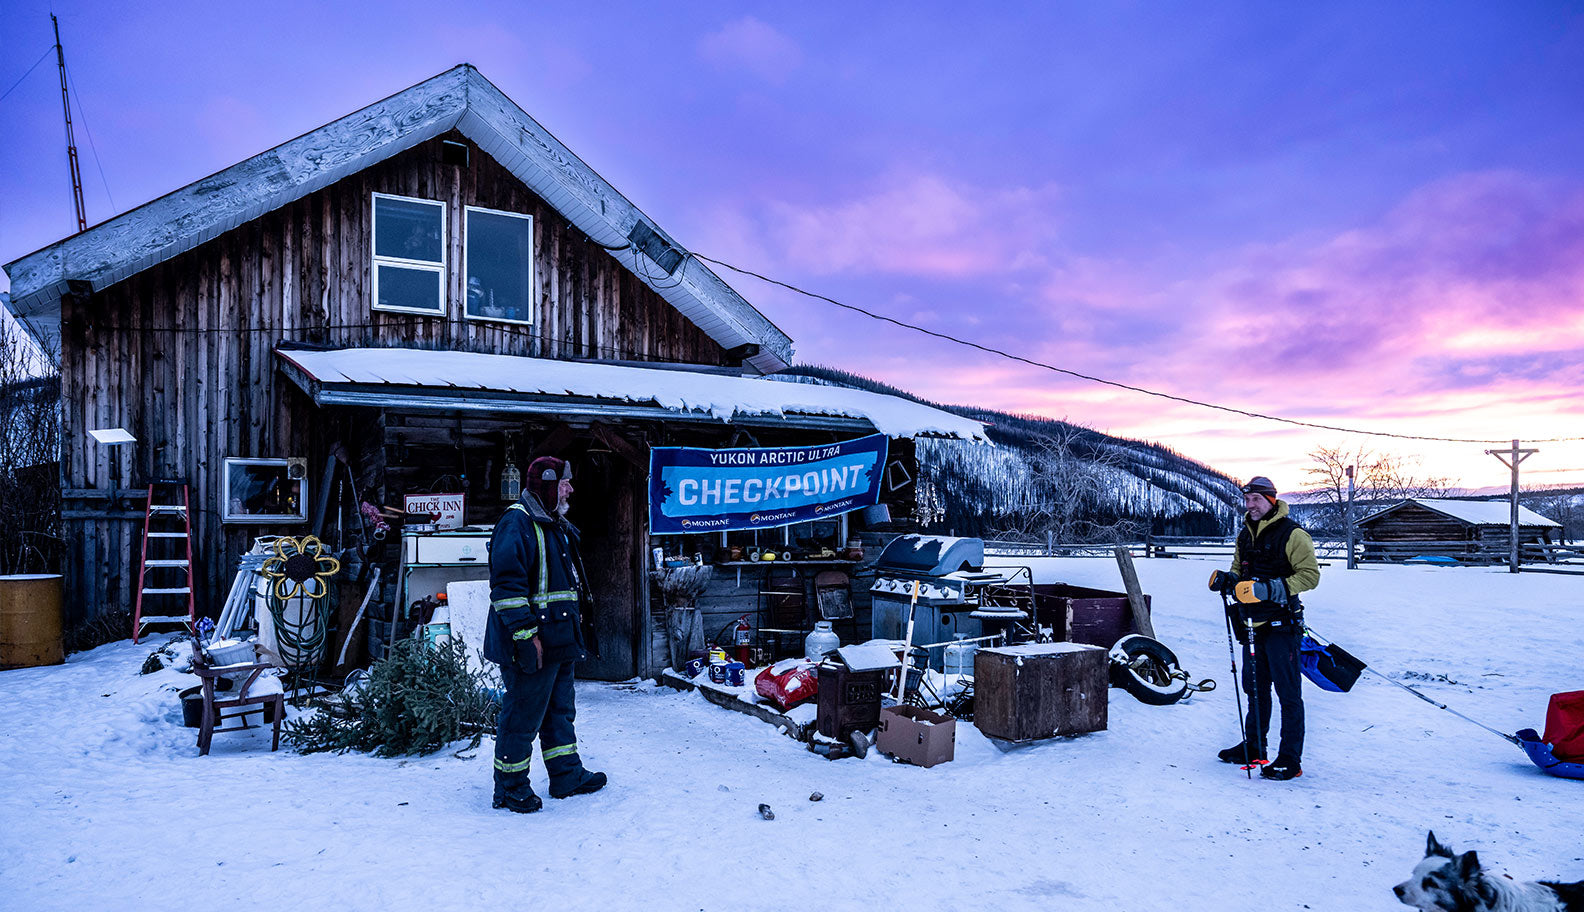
511, 383
458, 99
1474, 512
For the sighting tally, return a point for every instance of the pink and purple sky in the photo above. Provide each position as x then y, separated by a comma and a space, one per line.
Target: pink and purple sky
1350, 213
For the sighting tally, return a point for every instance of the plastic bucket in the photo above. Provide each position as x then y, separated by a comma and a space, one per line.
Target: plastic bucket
30, 620
959, 658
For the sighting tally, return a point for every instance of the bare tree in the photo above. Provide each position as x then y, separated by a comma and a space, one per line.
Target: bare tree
29, 454
1328, 476
1378, 478
1391, 477
1070, 492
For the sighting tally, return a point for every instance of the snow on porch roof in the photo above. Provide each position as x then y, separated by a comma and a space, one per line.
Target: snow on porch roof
460, 99
1474, 512
451, 380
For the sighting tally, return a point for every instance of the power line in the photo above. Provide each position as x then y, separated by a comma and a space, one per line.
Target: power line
1072, 373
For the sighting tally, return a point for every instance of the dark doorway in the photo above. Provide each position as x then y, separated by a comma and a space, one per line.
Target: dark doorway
607, 509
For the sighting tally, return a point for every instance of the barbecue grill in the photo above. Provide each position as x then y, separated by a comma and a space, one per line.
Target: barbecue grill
957, 596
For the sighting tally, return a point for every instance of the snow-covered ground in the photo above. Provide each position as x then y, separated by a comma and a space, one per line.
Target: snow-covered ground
104, 802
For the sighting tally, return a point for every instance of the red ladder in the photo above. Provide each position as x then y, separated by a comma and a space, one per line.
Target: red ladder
180, 529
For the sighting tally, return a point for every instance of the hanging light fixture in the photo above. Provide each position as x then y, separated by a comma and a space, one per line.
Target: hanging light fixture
511, 477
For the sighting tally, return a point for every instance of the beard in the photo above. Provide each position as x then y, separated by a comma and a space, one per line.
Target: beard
562, 507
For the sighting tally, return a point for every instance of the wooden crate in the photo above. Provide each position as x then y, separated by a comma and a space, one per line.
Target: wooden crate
1040, 690
1079, 614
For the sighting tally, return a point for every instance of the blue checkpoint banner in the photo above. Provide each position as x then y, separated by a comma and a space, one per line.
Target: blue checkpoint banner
695, 490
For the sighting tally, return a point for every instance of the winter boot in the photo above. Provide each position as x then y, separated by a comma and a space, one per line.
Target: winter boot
591, 783
1283, 769
523, 801
1240, 753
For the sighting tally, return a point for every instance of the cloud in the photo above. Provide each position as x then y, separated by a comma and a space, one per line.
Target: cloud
1475, 279
916, 224
751, 45
1459, 312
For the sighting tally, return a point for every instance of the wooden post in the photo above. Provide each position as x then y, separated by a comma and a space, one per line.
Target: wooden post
1135, 594
1515, 456
1352, 561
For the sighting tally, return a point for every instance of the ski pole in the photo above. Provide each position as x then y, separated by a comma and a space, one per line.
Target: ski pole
1236, 685
1512, 738
1252, 666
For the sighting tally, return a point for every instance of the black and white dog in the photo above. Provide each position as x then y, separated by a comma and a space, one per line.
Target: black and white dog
1447, 882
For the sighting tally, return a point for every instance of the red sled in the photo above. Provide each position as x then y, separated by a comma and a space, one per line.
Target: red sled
1561, 751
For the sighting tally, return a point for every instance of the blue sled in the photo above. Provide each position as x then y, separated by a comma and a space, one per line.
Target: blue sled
1540, 755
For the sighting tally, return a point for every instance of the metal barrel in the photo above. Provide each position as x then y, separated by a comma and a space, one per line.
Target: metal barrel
30, 620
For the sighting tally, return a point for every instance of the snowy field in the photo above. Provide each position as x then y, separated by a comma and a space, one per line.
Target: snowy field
105, 804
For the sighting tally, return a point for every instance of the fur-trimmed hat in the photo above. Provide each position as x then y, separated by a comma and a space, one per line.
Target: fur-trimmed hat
545, 475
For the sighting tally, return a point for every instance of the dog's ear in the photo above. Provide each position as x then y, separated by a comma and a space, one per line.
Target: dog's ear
1432, 847
1468, 866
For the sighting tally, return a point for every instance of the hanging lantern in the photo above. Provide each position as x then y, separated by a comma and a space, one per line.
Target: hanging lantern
511, 483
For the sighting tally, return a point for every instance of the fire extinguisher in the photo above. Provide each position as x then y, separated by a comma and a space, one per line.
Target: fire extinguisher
741, 636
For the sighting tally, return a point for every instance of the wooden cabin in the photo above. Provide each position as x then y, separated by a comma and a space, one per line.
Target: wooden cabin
1474, 531
406, 301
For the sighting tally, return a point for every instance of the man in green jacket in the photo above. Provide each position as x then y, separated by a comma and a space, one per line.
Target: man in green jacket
1273, 562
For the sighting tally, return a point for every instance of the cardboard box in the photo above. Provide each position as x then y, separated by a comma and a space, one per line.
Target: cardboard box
916, 735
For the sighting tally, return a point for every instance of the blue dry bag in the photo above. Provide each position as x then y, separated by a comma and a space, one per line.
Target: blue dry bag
1329, 666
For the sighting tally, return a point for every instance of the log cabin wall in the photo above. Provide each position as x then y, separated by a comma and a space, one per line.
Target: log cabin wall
1412, 522
181, 353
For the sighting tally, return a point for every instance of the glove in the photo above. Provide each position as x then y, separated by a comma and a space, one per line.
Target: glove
528, 654
1253, 591
1222, 580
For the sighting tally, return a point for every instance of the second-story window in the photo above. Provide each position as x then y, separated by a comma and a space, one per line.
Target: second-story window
498, 259
409, 255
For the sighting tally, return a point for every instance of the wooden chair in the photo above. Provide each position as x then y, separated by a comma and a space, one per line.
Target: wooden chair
215, 703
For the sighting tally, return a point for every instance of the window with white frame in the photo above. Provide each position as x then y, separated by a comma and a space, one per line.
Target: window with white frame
409, 255
499, 265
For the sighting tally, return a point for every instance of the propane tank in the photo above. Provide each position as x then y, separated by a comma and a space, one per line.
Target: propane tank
742, 635
820, 642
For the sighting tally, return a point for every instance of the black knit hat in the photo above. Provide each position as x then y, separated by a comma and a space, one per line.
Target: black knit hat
1259, 484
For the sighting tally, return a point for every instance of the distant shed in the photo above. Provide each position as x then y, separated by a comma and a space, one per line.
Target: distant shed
1469, 530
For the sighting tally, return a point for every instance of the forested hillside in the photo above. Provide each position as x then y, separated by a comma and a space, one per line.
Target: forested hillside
1051, 480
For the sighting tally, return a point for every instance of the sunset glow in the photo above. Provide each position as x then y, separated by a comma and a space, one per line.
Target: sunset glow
1362, 215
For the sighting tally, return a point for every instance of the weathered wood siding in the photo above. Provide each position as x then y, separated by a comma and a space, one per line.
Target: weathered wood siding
181, 354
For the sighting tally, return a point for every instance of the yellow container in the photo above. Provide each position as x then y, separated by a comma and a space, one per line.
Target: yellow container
30, 620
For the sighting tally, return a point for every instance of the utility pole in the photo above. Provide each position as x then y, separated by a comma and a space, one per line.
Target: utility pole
71, 139
1352, 559
1511, 458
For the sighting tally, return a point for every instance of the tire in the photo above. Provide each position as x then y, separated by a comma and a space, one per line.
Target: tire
1148, 670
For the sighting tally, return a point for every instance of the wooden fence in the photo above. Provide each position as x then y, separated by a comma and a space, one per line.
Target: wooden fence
1533, 557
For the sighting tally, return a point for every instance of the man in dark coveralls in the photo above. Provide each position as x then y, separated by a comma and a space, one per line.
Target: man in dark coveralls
1273, 562
537, 602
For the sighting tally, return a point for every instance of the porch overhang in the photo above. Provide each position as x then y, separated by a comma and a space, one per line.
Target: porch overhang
452, 381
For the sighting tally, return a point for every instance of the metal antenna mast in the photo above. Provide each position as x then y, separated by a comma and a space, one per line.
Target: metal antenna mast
71, 139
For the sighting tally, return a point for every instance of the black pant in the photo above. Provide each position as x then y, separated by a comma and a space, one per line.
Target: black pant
1274, 661
543, 705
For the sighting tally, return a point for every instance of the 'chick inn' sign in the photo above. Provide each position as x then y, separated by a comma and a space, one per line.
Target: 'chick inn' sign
693, 490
